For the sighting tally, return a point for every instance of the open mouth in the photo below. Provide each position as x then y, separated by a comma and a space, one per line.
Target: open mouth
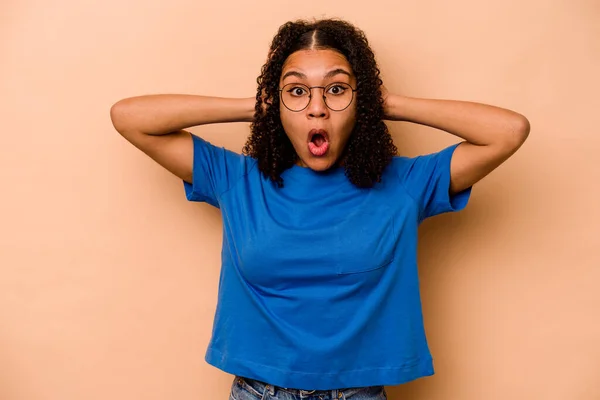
318, 143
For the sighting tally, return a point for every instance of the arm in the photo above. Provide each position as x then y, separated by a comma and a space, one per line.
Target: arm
491, 134
155, 123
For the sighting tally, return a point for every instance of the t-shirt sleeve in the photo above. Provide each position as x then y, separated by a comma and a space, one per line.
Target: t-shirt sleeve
214, 171
427, 180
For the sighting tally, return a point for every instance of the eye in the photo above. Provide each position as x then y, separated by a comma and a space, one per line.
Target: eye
297, 91
337, 89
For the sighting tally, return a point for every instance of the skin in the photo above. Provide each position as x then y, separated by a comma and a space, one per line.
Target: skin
311, 67
156, 124
491, 134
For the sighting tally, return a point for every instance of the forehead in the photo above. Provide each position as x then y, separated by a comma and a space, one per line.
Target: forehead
315, 63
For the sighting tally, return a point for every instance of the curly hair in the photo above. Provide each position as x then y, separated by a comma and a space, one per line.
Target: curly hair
370, 147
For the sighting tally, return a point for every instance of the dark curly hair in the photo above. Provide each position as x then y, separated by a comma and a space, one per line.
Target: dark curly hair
370, 147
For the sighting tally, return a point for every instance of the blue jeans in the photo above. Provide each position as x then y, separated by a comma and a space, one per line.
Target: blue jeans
250, 389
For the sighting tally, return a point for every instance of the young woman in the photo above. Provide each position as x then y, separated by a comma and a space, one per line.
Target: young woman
319, 295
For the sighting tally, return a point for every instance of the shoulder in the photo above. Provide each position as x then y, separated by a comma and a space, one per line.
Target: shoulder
223, 155
423, 165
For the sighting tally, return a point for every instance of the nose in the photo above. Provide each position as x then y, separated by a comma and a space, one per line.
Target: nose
317, 107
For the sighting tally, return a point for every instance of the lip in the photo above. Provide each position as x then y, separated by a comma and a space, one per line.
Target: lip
314, 132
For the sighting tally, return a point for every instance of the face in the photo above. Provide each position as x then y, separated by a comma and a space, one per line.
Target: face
318, 133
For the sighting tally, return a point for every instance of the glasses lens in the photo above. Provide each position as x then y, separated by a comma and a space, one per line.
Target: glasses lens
295, 96
338, 96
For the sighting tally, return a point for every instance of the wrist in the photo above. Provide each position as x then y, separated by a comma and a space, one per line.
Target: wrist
248, 104
394, 107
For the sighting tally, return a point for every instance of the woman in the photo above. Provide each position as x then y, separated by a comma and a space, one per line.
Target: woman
318, 294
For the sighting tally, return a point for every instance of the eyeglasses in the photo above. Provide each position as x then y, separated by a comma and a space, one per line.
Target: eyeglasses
337, 95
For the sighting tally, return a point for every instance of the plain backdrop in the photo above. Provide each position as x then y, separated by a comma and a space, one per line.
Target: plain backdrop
108, 276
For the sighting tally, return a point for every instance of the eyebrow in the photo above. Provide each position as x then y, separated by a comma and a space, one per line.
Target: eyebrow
330, 74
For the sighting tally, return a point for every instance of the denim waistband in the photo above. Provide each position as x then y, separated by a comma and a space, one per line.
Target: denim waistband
261, 387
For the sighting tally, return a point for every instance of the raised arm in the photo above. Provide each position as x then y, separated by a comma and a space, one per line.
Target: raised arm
155, 124
491, 134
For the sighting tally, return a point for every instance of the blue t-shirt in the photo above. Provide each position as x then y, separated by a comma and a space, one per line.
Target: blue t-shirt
318, 287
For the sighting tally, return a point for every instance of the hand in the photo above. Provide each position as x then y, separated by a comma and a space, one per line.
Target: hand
394, 105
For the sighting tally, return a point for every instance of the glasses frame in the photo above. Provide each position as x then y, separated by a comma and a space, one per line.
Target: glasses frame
310, 88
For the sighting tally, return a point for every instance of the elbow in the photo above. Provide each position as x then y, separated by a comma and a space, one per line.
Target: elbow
119, 116
518, 132
523, 127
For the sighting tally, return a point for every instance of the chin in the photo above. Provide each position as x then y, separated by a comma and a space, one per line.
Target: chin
319, 164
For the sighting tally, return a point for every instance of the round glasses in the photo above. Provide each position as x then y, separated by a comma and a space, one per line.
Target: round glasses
337, 95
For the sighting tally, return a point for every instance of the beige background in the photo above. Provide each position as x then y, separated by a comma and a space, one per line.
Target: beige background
108, 277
